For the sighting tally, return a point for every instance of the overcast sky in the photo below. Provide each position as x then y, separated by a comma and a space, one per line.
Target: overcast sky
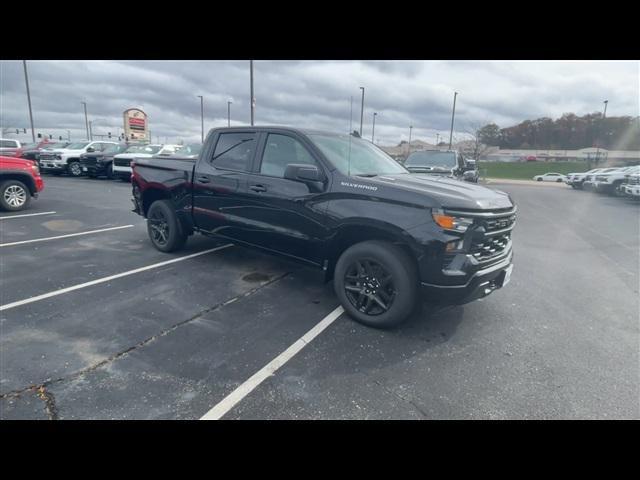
313, 94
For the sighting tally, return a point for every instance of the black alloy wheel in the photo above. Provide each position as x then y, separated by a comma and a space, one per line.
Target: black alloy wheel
369, 287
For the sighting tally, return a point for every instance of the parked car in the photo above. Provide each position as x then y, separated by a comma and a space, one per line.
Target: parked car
122, 161
20, 181
471, 172
67, 159
589, 180
96, 164
10, 147
550, 177
575, 180
631, 185
610, 182
437, 162
338, 203
190, 150
31, 151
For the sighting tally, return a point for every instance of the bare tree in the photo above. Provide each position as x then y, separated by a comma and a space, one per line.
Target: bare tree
479, 149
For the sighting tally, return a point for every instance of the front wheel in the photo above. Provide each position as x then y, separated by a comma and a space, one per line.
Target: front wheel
539, 179
376, 283
14, 195
164, 228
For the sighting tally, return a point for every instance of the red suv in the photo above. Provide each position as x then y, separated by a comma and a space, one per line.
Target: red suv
19, 181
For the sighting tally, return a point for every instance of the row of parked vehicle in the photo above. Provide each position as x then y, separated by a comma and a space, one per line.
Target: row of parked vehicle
98, 158
618, 181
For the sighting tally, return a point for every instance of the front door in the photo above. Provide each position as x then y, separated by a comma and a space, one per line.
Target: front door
282, 215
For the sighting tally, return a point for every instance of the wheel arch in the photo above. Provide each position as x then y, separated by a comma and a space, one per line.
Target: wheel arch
21, 177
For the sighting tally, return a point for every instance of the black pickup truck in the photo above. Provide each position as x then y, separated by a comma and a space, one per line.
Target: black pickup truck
386, 237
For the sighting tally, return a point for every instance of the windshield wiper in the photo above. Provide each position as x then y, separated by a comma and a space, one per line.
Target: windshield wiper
368, 175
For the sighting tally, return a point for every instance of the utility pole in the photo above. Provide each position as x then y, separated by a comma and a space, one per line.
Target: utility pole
361, 111
201, 118
373, 131
437, 139
453, 115
86, 121
69, 135
606, 102
229, 113
26, 80
90, 130
253, 100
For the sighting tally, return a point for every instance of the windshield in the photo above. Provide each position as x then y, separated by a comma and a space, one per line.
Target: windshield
8, 143
77, 146
114, 149
55, 145
190, 149
354, 156
150, 149
432, 159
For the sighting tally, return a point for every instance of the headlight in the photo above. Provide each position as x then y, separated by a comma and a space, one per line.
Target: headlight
448, 222
58, 157
35, 169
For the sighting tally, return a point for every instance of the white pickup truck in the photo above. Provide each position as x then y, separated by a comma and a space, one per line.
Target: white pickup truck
122, 161
67, 160
609, 182
631, 185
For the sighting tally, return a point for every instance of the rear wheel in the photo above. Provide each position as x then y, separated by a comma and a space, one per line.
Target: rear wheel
377, 283
75, 169
14, 195
110, 171
164, 228
539, 179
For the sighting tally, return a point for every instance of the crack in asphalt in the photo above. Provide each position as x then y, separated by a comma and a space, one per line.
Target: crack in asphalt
404, 399
47, 396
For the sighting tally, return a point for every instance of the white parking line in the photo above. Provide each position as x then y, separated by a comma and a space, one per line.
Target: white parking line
270, 368
107, 279
26, 215
64, 236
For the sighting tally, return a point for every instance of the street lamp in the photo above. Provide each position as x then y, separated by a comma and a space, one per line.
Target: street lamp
229, 102
69, 135
604, 114
373, 131
26, 80
453, 115
90, 131
361, 110
253, 100
437, 139
201, 117
86, 120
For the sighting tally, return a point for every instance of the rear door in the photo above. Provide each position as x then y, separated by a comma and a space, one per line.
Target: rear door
282, 215
220, 180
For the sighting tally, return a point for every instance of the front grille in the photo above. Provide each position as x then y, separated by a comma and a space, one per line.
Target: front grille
492, 225
47, 156
490, 247
122, 162
632, 179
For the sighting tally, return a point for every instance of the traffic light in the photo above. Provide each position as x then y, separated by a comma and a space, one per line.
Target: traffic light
109, 135
17, 131
132, 135
25, 130
60, 137
39, 135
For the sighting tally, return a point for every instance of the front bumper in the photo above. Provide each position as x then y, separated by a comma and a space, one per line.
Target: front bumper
482, 283
93, 168
49, 166
632, 190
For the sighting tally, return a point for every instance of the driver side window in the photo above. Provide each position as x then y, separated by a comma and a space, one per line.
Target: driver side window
280, 151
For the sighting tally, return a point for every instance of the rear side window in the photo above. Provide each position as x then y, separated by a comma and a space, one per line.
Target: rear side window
280, 151
234, 151
8, 144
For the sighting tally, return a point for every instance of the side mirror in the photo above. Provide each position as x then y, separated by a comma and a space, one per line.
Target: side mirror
91, 149
300, 172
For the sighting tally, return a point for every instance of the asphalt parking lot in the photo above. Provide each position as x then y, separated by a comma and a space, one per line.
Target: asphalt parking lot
102, 326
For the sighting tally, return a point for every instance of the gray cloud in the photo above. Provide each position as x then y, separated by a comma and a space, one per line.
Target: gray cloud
312, 94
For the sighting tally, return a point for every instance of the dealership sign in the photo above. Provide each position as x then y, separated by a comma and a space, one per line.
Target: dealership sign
136, 126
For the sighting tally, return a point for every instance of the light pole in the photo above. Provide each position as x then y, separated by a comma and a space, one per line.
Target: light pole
437, 139
604, 114
229, 113
69, 135
453, 115
351, 116
253, 100
26, 80
373, 131
361, 111
201, 117
86, 120
90, 130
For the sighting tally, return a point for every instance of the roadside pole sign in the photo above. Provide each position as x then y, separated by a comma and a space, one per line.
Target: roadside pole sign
136, 125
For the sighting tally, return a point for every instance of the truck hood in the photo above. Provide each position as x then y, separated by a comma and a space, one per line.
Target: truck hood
131, 156
448, 192
62, 151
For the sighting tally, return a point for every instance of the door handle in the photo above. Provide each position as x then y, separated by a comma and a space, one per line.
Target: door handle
203, 179
258, 188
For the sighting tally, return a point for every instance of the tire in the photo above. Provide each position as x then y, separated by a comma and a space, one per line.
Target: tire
164, 228
14, 195
388, 272
559, 180
539, 179
125, 179
110, 172
74, 168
